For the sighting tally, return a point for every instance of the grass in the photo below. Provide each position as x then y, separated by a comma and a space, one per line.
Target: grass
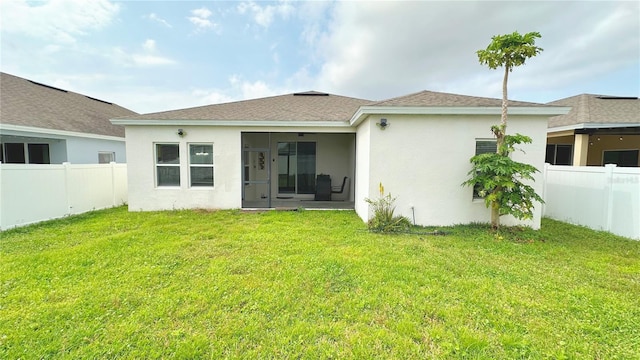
311, 284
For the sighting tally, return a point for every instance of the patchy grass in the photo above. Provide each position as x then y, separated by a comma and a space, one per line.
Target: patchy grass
227, 284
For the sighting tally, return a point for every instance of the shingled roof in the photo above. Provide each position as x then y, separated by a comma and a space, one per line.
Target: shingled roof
303, 106
28, 103
597, 109
440, 99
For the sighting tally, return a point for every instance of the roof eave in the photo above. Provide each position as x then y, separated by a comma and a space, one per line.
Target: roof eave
365, 111
10, 129
234, 123
590, 126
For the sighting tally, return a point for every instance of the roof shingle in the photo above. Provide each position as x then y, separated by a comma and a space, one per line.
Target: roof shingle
590, 108
31, 104
440, 99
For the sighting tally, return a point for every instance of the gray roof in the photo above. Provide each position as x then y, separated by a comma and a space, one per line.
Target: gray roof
304, 106
27, 103
601, 109
440, 99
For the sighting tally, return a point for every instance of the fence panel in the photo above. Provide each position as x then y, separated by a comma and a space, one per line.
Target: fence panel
31, 193
601, 198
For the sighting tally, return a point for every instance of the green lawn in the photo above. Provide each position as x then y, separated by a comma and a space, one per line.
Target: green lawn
311, 284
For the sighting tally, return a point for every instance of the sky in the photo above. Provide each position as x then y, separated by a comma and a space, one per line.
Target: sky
151, 56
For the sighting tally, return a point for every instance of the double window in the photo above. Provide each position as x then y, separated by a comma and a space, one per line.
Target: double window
559, 154
168, 165
22, 153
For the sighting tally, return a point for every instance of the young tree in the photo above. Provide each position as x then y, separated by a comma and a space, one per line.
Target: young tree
497, 176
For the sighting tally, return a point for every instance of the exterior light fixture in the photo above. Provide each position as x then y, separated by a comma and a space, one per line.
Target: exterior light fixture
620, 138
383, 124
181, 133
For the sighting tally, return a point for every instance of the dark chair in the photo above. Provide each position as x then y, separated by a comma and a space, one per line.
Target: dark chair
341, 189
323, 188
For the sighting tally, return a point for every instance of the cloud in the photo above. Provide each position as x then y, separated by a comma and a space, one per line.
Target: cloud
200, 18
60, 21
382, 49
264, 15
156, 18
147, 57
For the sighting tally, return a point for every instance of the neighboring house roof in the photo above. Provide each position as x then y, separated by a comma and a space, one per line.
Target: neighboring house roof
304, 106
440, 99
595, 111
28, 104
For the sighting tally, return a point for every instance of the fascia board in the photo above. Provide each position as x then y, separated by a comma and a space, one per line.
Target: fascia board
43, 132
591, 126
232, 123
365, 111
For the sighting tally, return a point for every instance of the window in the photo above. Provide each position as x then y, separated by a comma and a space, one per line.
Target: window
167, 165
623, 158
105, 157
201, 164
484, 146
559, 154
14, 153
296, 167
38, 153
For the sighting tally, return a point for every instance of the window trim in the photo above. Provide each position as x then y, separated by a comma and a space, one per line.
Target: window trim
212, 165
555, 153
156, 165
112, 155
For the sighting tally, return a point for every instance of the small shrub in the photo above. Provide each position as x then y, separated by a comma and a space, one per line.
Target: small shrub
383, 219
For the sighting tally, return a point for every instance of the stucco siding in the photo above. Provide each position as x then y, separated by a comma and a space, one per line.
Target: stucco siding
363, 164
144, 195
422, 160
85, 151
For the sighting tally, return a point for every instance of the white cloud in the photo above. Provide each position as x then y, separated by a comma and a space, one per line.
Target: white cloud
201, 20
156, 18
147, 57
382, 49
60, 21
264, 15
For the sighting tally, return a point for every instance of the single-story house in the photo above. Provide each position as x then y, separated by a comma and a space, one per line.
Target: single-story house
296, 150
42, 124
599, 130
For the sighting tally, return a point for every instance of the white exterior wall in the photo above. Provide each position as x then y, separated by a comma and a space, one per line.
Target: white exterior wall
145, 196
363, 168
69, 148
85, 150
423, 159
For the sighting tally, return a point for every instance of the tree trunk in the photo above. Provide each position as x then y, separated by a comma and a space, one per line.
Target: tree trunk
500, 149
495, 216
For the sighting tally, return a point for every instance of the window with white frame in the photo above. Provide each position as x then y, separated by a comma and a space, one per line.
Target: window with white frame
167, 164
105, 157
484, 146
201, 165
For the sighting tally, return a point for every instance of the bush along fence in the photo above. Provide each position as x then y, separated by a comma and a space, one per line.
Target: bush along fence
31, 193
601, 198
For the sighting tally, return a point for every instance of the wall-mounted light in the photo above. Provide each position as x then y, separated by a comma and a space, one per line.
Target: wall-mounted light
181, 133
620, 138
382, 124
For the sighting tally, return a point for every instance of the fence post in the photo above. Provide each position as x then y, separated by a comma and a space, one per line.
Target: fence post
113, 183
545, 174
67, 185
608, 174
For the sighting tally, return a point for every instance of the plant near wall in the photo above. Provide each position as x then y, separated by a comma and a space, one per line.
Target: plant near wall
384, 219
497, 177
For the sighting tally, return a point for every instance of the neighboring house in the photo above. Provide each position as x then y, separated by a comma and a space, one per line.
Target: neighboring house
41, 124
269, 152
598, 130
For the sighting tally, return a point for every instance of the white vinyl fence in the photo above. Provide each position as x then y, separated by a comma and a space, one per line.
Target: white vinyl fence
30, 193
601, 198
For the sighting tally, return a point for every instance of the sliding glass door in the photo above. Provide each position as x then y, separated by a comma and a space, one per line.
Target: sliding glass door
296, 167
